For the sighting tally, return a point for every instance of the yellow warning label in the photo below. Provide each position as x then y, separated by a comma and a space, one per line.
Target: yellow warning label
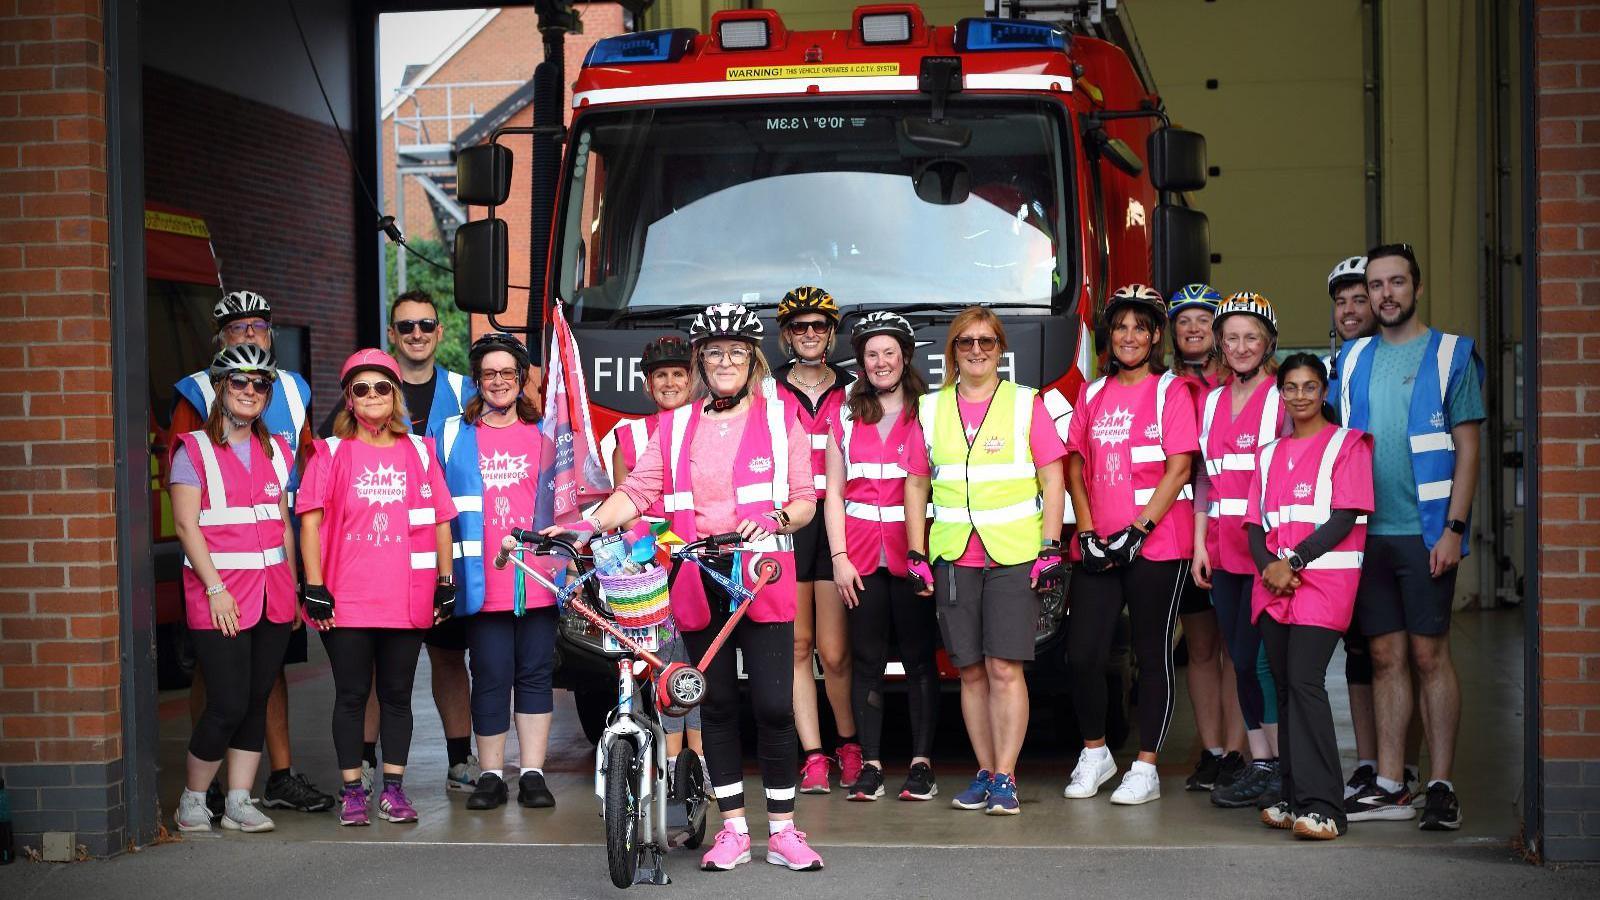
813, 70
155, 220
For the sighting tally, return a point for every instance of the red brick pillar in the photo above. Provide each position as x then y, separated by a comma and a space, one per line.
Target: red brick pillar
60, 723
1567, 57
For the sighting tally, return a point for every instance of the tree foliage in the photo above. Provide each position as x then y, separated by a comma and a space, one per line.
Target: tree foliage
420, 276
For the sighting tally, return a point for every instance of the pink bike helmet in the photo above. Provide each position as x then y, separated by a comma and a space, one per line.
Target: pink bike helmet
370, 358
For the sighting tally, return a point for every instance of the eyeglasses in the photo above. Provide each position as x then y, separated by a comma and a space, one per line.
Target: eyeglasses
738, 356
1291, 389
406, 326
242, 383
489, 376
819, 326
245, 326
359, 389
985, 343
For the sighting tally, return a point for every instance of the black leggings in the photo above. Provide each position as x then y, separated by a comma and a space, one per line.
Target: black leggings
1308, 749
1230, 594
354, 654
888, 604
1151, 589
768, 649
239, 674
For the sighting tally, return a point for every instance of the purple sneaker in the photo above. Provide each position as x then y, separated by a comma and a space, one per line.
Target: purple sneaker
393, 805
353, 807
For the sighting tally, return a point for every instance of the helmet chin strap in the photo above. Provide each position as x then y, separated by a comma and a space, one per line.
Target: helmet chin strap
236, 422
719, 403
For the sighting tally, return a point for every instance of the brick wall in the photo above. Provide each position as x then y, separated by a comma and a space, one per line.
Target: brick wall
276, 191
1568, 138
60, 724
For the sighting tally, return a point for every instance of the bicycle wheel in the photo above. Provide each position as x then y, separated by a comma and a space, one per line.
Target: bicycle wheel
689, 782
622, 815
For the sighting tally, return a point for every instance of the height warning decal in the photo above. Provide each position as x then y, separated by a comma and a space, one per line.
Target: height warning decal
814, 70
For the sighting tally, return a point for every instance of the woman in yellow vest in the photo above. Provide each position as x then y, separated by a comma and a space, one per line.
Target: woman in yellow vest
991, 460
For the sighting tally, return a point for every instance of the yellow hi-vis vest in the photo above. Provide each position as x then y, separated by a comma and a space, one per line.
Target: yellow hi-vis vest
991, 484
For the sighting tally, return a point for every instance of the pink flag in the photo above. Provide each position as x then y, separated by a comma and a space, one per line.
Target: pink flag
570, 473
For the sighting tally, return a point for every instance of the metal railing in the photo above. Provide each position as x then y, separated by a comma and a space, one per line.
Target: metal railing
425, 125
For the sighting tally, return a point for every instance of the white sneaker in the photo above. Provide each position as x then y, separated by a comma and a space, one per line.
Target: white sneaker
192, 814
242, 815
1139, 785
1094, 768
463, 776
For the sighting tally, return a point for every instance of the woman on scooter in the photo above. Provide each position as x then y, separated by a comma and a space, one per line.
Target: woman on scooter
375, 542
866, 522
813, 389
731, 461
491, 460
231, 512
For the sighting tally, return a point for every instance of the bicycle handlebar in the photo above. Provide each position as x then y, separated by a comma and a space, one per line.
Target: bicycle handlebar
549, 546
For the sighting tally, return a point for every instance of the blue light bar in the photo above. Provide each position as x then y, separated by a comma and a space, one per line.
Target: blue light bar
1008, 34
645, 47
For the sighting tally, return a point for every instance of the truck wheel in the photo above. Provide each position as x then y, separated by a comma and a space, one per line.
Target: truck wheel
593, 707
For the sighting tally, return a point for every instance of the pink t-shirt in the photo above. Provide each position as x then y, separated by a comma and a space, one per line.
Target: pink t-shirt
711, 459
1120, 413
508, 460
365, 531
1043, 442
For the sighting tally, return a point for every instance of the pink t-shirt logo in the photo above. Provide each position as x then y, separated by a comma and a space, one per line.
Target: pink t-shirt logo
1112, 427
1114, 473
380, 522
1152, 431
381, 487
502, 470
761, 464
502, 506
273, 490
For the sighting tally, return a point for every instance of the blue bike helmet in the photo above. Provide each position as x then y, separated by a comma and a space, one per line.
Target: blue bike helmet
1194, 296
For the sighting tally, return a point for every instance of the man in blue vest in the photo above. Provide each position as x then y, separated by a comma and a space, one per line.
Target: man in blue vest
1419, 392
245, 317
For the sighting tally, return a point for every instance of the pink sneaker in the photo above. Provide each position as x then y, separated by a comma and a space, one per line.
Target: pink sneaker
789, 848
730, 849
814, 775
849, 764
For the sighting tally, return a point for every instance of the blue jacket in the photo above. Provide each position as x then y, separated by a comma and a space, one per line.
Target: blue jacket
457, 443
450, 395
1448, 359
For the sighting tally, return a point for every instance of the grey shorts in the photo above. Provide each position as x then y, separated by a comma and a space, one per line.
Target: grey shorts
985, 612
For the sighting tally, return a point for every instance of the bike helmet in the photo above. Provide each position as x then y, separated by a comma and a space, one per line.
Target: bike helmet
667, 350
808, 299
725, 320
1247, 303
1347, 271
370, 358
240, 305
244, 358
497, 340
888, 323
1137, 295
1194, 296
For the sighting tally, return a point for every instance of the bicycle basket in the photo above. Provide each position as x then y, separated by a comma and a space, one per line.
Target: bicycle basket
639, 600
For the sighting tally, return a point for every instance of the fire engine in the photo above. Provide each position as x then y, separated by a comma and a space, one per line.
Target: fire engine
1025, 165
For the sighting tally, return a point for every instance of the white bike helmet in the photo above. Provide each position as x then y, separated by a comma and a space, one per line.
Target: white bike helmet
1347, 271
725, 320
876, 323
241, 305
245, 359
1250, 304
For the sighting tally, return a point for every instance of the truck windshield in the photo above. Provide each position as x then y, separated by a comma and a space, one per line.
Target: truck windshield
666, 207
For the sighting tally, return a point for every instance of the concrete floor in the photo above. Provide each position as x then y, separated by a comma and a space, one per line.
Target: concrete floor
1488, 650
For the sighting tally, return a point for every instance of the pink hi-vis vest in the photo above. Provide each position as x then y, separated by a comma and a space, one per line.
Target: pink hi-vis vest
369, 599
1297, 486
632, 436
818, 426
761, 485
1229, 444
874, 492
1147, 463
243, 530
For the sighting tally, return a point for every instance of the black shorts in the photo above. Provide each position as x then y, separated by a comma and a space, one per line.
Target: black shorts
296, 651
1397, 593
812, 559
451, 634
1195, 599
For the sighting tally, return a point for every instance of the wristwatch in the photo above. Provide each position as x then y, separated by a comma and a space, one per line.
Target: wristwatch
447, 579
782, 518
1295, 562
1456, 525
1144, 524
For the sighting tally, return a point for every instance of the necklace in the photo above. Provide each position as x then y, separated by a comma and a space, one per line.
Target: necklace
794, 375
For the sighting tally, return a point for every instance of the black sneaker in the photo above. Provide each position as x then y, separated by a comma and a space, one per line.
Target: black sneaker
489, 793
293, 790
1441, 811
216, 801
1205, 773
532, 793
1374, 804
868, 785
1230, 769
1244, 792
1360, 778
1274, 792
920, 783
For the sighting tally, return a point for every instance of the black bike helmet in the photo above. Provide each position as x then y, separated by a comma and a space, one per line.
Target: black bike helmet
725, 320
497, 340
667, 350
808, 299
243, 359
877, 323
240, 305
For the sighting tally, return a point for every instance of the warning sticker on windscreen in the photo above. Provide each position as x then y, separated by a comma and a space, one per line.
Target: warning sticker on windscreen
814, 70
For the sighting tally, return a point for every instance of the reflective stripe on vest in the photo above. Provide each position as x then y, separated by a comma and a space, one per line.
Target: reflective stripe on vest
1006, 511
1315, 513
1266, 433
218, 515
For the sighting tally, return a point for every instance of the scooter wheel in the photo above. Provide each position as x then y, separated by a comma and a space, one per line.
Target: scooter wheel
686, 687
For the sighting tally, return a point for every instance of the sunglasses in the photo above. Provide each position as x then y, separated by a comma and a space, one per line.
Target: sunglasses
819, 326
359, 389
406, 326
239, 329
241, 383
982, 343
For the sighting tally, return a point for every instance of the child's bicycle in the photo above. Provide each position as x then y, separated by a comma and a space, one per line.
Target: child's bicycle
631, 756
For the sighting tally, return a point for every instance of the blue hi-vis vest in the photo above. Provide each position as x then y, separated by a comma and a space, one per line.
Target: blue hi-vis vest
1448, 359
450, 395
285, 415
457, 443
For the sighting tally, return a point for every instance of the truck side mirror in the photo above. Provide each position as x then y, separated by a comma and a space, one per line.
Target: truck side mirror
1177, 159
1114, 151
483, 175
1181, 245
480, 264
